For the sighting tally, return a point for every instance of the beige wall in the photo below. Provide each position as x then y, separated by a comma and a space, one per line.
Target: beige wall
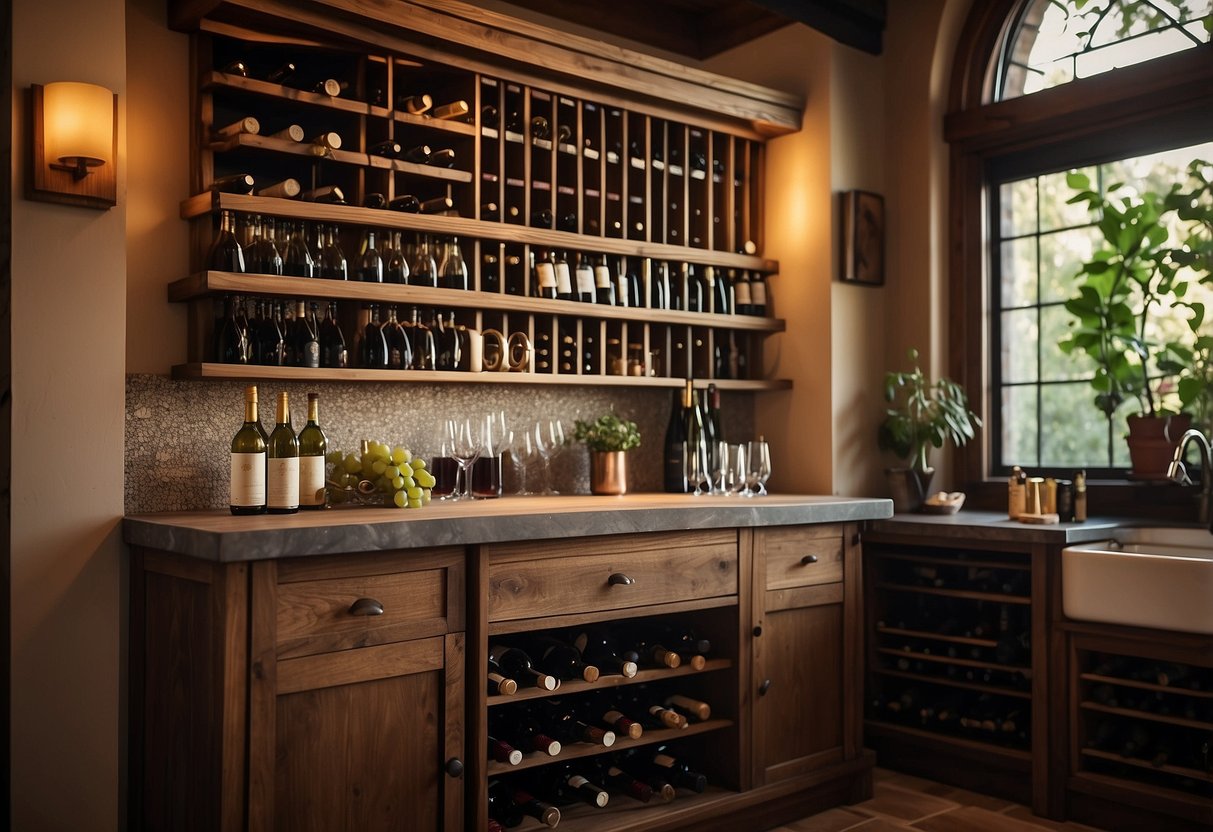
69, 331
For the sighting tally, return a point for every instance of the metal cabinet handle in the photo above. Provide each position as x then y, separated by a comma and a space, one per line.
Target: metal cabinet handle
366, 606
764, 687
808, 559
620, 579
454, 767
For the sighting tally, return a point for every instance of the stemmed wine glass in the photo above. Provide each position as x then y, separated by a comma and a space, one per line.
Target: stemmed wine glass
695, 466
465, 447
495, 439
549, 439
758, 467
526, 453
737, 471
720, 468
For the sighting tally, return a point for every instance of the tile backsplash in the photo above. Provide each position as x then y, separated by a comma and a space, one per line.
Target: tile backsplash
178, 432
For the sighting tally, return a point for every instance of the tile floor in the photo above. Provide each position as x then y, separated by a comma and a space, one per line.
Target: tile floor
901, 802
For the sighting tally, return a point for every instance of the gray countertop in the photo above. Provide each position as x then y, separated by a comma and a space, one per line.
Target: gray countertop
218, 536
993, 525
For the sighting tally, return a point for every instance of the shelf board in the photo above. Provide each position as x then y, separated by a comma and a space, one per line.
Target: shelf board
1143, 795
1178, 690
610, 681
200, 370
623, 813
975, 642
345, 157
1177, 771
584, 749
460, 128
1021, 757
206, 284
211, 80
954, 683
205, 203
997, 597
1133, 713
930, 657
938, 561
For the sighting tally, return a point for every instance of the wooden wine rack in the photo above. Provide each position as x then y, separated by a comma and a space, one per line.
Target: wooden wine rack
649, 179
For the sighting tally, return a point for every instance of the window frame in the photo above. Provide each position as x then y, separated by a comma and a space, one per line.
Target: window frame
1166, 102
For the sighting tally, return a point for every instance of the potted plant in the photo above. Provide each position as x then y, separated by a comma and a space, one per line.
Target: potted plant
1121, 287
608, 439
921, 415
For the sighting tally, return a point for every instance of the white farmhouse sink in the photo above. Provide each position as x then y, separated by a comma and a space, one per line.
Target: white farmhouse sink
1155, 577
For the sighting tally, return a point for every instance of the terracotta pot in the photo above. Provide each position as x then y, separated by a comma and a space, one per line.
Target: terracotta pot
908, 488
608, 472
1152, 441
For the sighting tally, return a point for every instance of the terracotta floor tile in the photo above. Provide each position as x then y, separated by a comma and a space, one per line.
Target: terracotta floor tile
832, 820
974, 819
1025, 814
901, 803
881, 825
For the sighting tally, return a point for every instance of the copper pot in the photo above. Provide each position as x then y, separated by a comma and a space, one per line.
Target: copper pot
608, 472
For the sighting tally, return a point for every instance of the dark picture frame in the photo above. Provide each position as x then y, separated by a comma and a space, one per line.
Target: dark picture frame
863, 238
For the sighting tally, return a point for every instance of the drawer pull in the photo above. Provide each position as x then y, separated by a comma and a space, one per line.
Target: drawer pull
764, 687
454, 767
366, 606
620, 579
808, 559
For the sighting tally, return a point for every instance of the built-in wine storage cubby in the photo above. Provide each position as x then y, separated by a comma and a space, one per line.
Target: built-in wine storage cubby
541, 210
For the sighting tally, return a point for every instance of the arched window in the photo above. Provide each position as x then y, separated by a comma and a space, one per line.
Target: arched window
1119, 89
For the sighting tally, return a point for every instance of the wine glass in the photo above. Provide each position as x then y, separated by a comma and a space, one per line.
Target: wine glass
445, 465
525, 455
720, 467
737, 471
695, 466
549, 438
758, 467
486, 472
466, 449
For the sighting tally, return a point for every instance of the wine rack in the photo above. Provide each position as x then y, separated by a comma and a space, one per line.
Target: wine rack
1143, 729
668, 200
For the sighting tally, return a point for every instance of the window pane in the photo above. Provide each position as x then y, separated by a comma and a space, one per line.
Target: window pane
1062, 254
1019, 339
1019, 426
1017, 207
1055, 365
1019, 272
1074, 433
1054, 194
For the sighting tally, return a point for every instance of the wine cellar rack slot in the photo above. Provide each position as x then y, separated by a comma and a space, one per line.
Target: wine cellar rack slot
383, 154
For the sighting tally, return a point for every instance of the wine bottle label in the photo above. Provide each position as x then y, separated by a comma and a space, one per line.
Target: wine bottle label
248, 479
758, 293
585, 280
282, 486
741, 293
546, 273
564, 284
311, 480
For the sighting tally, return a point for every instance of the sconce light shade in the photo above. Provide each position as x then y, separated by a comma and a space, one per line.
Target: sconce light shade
74, 144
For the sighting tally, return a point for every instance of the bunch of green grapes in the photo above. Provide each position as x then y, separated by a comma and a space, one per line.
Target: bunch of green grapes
381, 469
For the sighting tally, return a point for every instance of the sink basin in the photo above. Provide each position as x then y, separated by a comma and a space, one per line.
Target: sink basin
1157, 577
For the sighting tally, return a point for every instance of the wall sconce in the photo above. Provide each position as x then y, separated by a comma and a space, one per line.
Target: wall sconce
74, 146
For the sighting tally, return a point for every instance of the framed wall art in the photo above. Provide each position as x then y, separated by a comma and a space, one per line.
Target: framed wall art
863, 238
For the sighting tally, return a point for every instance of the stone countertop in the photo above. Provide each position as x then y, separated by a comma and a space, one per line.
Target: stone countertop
994, 526
219, 536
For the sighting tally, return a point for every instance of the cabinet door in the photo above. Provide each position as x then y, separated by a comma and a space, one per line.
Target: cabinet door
368, 738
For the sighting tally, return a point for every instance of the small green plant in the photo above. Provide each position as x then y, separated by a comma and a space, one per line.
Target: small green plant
923, 415
607, 433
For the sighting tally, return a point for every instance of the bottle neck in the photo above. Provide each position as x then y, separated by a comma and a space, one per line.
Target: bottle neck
313, 409
250, 411
284, 410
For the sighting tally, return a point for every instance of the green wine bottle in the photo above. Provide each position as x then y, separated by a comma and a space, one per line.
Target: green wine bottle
313, 445
248, 460
282, 478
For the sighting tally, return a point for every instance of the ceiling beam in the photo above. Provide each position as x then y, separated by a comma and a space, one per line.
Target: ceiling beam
857, 23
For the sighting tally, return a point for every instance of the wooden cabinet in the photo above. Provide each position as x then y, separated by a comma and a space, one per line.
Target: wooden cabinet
806, 677
663, 196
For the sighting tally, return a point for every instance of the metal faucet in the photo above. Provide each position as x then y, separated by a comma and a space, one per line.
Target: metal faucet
1179, 473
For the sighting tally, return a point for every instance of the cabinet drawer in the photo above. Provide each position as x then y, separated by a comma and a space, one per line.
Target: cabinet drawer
328, 604
534, 580
801, 555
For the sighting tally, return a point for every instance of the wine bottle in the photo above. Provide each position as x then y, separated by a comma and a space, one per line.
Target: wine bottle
330, 261
716, 417
437, 205
456, 109
396, 264
564, 280
421, 341
305, 337
236, 183
490, 274
330, 87
333, 352
226, 255
313, 445
686, 642
290, 133
489, 117
599, 648
324, 143
516, 664
297, 257
248, 460
373, 350
502, 808
564, 785
633, 764
406, 203
676, 771
758, 295
522, 731
502, 751
651, 714
281, 73
651, 650
236, 67
674, 285
696, 291
370, 264
545, 813
286, 189
697, 708
615, 778
561, 659
563, 722
419, 154
453, 272
415, 104
326, 194
248, 125
443, 158
657, 288
742, 298
675, 479
567, 221
601, 710
719, 291
542, 218
544, 271
399, 349
271, 347
448, 348
583, 278
282, 472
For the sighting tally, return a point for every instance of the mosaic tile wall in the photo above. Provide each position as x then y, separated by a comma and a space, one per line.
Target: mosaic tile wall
177, 432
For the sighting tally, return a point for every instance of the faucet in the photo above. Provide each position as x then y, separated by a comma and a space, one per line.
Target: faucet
1178, 473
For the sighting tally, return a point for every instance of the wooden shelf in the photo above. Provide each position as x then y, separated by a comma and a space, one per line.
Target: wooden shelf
1118, 790
1178, 690
214, 79
583, 749
205, 203
939, 561
954, 683
345, 157
1177, 771
931, 657
458, 128
1133, 713
610, 681
997, 597
974, 642
201, 370
1019, 756
624, 813
207, 284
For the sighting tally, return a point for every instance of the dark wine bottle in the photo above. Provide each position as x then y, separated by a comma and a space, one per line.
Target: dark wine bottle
561, 659
333, 352
545, 813
452, 270
436, 205
522, 731
271, 341
758, 295
281, 73
399, 349
231, 339
490, 274
236, 183
421, 340
543, 275
443, 158
617, 780
370, 264
696, 291
373, 350
296, 257
675, 480
601, 709
502, 808
562, 721
676, 771
375, 200
305, 336
517, 665
604, 282
226, 255
565, 785
502, 751
406, 203
451, 351
489, 116
389, 149
418, 154
599, 648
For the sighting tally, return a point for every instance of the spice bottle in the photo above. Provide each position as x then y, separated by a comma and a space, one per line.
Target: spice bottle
1016, 492
1080, 497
